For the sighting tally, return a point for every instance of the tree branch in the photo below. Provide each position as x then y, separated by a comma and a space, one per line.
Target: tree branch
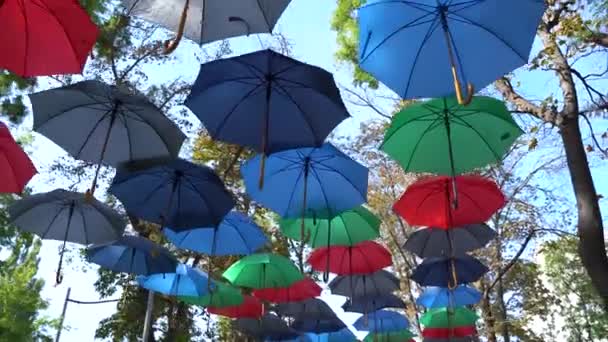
366, 102
523, 105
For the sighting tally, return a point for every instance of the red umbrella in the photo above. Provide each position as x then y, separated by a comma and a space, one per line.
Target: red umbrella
430, 202
250, 308
362, 258
464, 331
299, 291
16, 168
45, 37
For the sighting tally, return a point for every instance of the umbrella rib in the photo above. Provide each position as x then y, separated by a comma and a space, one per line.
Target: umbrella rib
147, 123
93, 129
327, 204
415, 5
128, 130
432, 27
302, 112
52, 222
264, 16
84, 224
434, 124
485, 141
219, 128
59, 23
332, 169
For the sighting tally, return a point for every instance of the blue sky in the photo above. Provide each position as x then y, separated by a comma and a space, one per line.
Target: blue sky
306, 24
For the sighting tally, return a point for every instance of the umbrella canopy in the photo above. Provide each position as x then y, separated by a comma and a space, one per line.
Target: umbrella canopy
367, 304
438, 297
362, 258
446, 317
448, 333
398, 336
375, 284
475, 43
268, 326
308, 182
382, 321
266, 101
16, 168
209, 21
237, 234
261, 271
306, 309
222, 296
298, 291
301, 338
344, 335
345, 229
133, 255
449, 272
186, 281
318, 325
45, 37
430, 201
440, 136
251, 307
176, 194
437, 242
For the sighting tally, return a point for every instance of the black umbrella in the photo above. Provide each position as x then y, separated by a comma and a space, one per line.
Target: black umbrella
374, 284
318, 325
437, 242
367, 304
268, 326
449, 272
310, 308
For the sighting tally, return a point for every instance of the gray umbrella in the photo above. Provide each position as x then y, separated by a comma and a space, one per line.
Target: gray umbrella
67, 216
206, 21
365, 285
267, 327
103, 124
310, 308
437, 242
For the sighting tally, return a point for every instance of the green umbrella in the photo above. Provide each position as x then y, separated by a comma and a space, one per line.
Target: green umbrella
440, 136
345, 229
261, 271
223, 295
396, 336
446, 318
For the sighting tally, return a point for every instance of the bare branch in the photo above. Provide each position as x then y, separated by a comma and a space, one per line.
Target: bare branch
593, 137
523, 105
366, 102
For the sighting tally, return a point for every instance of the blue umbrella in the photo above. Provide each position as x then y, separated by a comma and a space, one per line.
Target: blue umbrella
176, 194
311, 182
439, 297
382, 321
266, 101
449, 272
344, 335
134, 255
186, 281
237, 234
366, 304
414, 46
318, 326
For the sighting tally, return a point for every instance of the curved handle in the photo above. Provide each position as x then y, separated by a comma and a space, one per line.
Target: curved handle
241, 20
458, 88
325, 276
454, 276
171, 45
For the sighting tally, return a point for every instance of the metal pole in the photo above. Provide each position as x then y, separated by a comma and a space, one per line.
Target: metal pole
65, 307
148, 319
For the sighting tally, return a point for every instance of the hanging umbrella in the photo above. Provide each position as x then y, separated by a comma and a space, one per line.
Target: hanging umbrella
430, 201
473, 43
371, 303
45, 37
310, 308
438, 242
209, 21
251, 307
440, 136
447, 317
375, 284
382, 321
398, 336
438, 297
177, 194
67, 216
449, 272
301, 338
133, 255
362, 258
318, 325
345, 229
261, 271
106, 124
298, 291
16, 168
448, 333
237, 234
186, 281
266, 101
222, 296
268, 326
308, 182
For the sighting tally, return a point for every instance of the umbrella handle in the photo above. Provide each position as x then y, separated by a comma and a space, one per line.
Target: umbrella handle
454, 276
59, 274
171, 45
457, 86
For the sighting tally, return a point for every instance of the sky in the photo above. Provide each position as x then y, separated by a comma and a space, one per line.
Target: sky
306, 24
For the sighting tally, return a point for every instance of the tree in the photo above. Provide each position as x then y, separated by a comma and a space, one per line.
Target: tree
568, 38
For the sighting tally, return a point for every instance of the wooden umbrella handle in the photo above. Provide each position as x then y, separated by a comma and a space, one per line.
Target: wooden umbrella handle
171, 45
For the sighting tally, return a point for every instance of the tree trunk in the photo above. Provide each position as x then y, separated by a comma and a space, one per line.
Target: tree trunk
592, 247
504, 324
488, 316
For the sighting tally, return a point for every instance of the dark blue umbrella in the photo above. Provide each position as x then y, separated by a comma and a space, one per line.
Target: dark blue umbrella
311, 182
186, 281
365, 285
269, 327
344, 335
382, 321
237, 234
439, 297
133, 255
449, 272
415, 46
176, 194
367, 304
266, 101
318, 326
